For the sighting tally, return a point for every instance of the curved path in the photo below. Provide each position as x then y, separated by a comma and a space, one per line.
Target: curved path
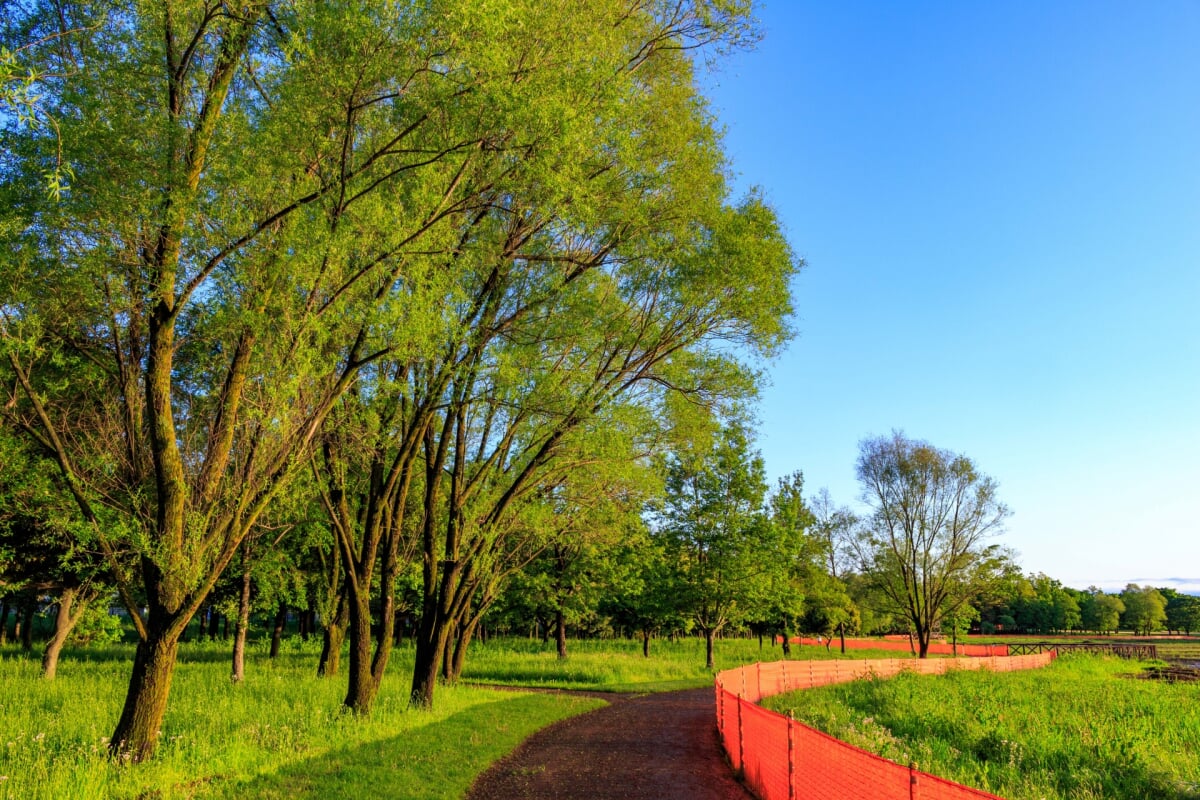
661, 746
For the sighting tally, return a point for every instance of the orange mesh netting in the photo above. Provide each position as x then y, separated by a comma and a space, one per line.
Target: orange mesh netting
782, 759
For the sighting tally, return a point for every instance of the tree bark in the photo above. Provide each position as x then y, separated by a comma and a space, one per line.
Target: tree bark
65, 619
645, 644
3, 622
360, 689
560, 634
136, 734
709, 635
277, 629
238, 673
332, 639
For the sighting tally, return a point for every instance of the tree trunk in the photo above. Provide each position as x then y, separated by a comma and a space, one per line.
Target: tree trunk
27, 626
787, 643
332, 639
645, 644
239, 631
136, 734
65, 619
360, 688
922, 644
466, 633
842, 635
277, 629
709, 635
3, 622
560, 634
425, 666
448, 652
214, 623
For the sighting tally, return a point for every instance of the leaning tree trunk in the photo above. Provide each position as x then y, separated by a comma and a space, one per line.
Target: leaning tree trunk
136, 734
238, 673
67, 617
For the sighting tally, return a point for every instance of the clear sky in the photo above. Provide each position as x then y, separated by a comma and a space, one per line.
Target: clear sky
999, 205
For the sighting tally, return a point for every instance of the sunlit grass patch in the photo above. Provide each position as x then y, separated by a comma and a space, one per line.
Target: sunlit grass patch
1079, 729
280, 732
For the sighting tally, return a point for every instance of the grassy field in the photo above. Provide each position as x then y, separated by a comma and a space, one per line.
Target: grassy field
1080, 729
281, 734
618, 665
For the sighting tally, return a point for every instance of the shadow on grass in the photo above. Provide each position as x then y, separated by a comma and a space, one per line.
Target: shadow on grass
439, 760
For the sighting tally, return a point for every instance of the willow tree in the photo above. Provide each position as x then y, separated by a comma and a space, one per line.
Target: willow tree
924, 546
250, 182
608, 266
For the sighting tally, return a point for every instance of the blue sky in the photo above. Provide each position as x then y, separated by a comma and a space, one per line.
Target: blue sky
999, 205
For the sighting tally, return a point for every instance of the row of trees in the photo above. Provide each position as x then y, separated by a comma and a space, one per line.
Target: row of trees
1041, 604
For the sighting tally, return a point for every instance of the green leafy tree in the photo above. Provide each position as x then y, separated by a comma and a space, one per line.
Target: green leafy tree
1183, 611
924, 545
717, 533
1145, 609
1100, 612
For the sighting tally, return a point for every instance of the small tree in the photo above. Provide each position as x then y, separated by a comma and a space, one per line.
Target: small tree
716, 532
924, 543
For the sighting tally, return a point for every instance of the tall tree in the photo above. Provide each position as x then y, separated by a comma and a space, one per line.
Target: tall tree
835, 526
248, 187
717, 532
924, 545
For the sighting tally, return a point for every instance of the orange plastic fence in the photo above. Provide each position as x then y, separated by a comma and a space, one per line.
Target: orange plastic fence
782, 759
935, 648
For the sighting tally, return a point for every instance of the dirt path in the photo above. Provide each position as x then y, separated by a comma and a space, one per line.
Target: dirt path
661, 746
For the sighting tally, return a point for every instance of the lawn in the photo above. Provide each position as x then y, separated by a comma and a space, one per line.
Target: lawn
280, 734
1082, 728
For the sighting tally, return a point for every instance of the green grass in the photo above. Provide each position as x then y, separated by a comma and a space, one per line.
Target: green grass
1077, 730
280, 734
617, 665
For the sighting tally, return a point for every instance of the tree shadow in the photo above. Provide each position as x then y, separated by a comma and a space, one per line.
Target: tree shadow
434, 761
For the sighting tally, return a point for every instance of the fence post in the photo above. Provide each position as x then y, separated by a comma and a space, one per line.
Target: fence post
741, 738
758, 678
784, 677
914, 791
791, 755
719, 699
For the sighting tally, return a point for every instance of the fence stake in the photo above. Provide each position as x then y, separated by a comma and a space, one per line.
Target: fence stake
791, 756
721, 710
758, 678
741, 739
914, 792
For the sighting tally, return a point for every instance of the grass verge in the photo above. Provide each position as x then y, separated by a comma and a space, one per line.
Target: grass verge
1079, 729
280, 734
